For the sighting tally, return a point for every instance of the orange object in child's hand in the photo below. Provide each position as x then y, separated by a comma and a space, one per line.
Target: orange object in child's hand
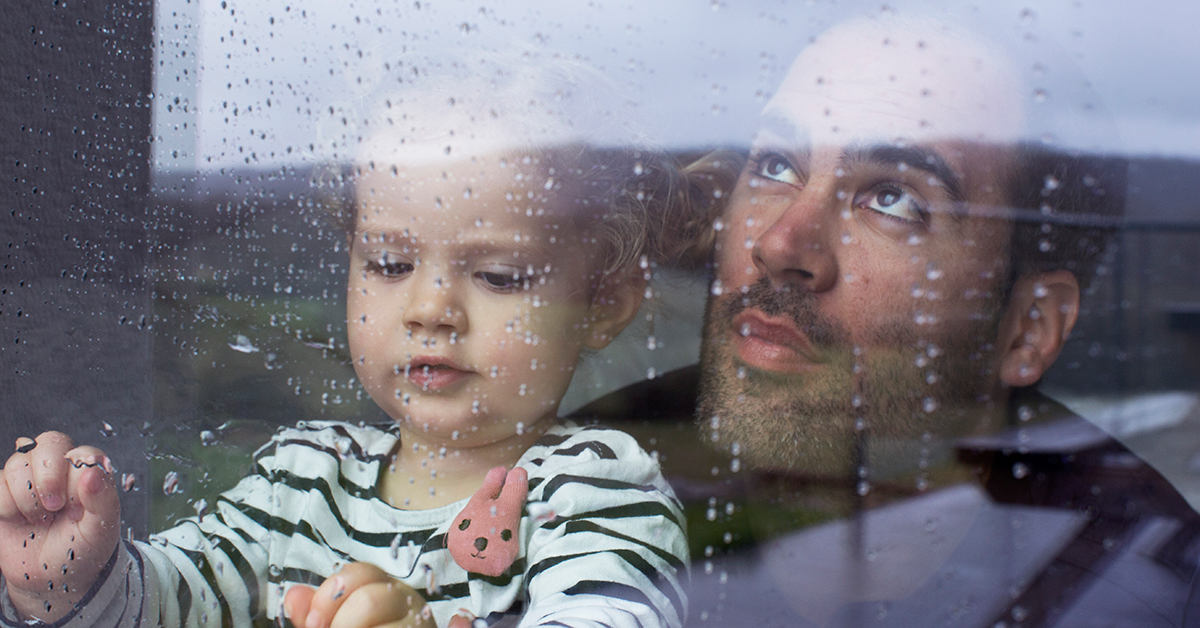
483, 538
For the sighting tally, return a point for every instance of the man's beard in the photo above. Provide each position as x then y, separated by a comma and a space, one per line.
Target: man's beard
898, 385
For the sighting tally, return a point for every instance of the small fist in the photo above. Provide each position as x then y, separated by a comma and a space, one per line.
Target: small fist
361, 595
59, 523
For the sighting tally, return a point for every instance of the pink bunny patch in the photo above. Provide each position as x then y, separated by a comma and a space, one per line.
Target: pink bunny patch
483, 538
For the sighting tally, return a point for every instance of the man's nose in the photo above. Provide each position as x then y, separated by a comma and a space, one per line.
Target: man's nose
799, 246
434, 304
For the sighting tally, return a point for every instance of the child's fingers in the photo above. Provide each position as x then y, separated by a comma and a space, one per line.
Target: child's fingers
18, 479
8, 508
376, 604
49, 467
297, 602
95, 504
337, 589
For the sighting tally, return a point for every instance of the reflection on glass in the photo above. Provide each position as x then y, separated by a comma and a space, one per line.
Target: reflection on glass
949, 358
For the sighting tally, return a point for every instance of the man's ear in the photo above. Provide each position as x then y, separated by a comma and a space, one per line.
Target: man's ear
614, 306
1042, 309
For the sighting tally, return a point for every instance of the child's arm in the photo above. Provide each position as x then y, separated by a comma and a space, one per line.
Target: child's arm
59, 524
359, 596
614, 551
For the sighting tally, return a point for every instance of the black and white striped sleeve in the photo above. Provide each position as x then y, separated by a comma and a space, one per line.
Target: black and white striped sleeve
614, 552
214, 571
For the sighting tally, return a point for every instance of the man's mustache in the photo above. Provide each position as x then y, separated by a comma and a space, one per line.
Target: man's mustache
795, 304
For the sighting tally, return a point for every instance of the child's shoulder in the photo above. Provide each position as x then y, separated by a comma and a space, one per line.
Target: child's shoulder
334, 439
569, 445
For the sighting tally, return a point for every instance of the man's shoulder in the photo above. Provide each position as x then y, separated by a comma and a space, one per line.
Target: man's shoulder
1053, 457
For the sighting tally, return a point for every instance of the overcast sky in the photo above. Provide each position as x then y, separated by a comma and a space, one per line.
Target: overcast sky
259, 78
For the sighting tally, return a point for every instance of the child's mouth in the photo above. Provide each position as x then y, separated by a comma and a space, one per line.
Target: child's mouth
434, 374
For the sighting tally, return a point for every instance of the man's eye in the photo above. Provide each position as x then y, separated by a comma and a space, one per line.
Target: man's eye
896, 202
777, 168
503, 281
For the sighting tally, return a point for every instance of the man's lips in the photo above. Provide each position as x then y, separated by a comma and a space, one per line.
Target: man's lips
772, 343
434, 373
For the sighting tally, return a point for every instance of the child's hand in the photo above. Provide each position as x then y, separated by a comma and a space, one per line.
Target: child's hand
361, 595
59, 523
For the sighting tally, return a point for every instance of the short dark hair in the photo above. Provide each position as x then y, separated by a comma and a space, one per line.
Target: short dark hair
1066, 208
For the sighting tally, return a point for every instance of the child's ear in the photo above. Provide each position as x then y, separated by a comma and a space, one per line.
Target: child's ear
614, 306
1042, 310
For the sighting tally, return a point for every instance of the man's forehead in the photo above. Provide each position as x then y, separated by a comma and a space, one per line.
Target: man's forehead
898, 81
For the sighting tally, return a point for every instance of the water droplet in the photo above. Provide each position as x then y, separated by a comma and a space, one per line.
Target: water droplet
1020, 470
929, 404
243, 344
171, 483
1051, 183
208, 437
932, 272
1024, 413
540, 511
863, 488
467, 195
716, 289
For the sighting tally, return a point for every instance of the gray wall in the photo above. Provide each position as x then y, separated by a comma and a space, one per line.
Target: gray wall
75, 349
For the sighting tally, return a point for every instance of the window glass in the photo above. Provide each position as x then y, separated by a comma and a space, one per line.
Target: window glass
922, 449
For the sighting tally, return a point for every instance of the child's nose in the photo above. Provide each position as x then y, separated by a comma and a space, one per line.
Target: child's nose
434, 305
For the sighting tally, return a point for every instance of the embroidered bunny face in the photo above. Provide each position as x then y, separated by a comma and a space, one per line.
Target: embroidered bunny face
483, 538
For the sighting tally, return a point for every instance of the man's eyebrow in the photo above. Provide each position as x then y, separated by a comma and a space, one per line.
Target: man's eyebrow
922, 159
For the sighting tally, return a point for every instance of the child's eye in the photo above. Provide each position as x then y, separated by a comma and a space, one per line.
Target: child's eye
388, 267
503, 281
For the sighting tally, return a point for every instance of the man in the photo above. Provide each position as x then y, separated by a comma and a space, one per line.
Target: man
881, 311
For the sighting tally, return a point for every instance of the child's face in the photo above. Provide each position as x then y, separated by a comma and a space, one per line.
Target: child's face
468, 296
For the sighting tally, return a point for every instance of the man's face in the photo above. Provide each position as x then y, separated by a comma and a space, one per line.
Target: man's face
862, 256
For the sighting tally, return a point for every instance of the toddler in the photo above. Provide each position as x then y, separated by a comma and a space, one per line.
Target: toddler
488, 249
